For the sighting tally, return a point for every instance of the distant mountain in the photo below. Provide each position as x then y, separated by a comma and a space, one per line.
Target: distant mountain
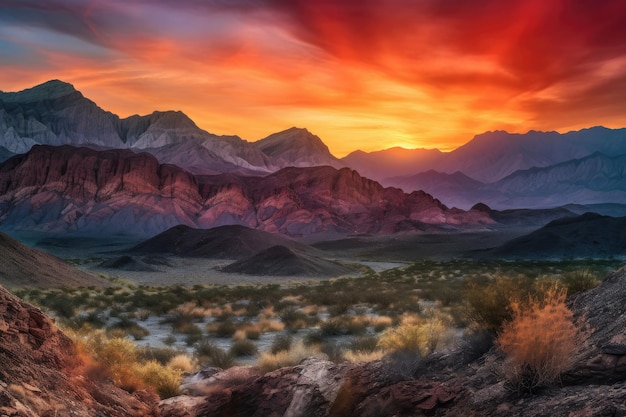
393, 162
297, 148
63, 188
594, 179
454, 190
23, 266
282, 261
491, 156
525, 217
587, 236
54, 113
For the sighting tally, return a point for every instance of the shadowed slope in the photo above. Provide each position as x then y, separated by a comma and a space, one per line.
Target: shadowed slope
224, 242
282, 261
23, 266
587, 236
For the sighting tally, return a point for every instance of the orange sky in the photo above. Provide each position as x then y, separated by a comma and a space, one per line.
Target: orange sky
361, 74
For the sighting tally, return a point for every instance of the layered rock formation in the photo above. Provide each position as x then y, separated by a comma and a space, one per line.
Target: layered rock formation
117, 191
42, 373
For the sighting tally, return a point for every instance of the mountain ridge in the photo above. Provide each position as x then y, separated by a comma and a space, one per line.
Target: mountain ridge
55, 113
118, 191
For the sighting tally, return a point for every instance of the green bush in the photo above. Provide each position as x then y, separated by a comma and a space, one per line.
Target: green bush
281, 342
579, 280
243, 347
208, 353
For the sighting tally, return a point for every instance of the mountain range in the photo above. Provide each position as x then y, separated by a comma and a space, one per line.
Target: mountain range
68, 189
145, 174
54, 113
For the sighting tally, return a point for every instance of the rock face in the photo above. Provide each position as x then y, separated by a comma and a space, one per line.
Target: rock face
313, 388
42, 373
23, 266
118, 191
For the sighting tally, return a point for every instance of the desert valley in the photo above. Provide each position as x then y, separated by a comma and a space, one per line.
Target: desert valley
152, 268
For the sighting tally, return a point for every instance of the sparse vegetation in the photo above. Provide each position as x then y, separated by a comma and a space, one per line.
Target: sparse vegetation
401, 313
119, 359
297, 353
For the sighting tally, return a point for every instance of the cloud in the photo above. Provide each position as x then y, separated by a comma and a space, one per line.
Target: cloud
428, 71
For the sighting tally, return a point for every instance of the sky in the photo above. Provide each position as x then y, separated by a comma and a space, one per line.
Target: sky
361, 74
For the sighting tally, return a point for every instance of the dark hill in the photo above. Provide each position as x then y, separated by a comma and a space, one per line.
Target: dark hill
224, 242
128, 263
23, 266
282, 261
587, 236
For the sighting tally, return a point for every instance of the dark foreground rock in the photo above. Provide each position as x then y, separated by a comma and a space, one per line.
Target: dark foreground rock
42, 373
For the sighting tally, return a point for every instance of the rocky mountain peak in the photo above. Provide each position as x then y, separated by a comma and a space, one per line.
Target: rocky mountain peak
172, 120
49, 90
293, 137
297, 147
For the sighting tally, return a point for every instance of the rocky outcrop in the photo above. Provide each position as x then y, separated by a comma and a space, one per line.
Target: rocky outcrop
117, 191
313, 388
42, 373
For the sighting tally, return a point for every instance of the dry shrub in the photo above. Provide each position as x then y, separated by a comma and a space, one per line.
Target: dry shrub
490, 306
361, 357
243, 348
266, 325
119, 360
191, 310
580, 280
540, 341
297, 353
118, 357
182, 362
420, 337
166, 381
268, 313
380, 323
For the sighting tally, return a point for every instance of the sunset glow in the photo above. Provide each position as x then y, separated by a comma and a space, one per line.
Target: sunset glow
360, 74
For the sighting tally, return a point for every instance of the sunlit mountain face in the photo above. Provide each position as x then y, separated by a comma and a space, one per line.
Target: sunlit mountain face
362, 75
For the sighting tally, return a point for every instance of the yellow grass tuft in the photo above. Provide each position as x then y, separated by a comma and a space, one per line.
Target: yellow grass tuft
297, 353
